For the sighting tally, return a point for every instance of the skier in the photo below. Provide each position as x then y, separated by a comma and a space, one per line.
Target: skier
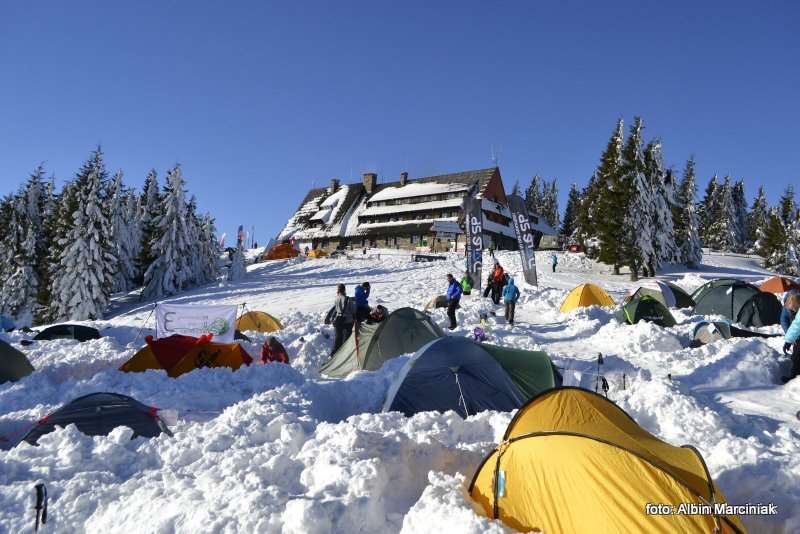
453, 295
790, 307
510, 297
554, 260
791, 347
273, 351
362, 304
466, 283
343, 317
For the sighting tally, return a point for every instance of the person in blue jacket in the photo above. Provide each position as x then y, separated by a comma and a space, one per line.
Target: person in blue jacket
791, 347
510, 297
790, 306
453, 298
554, 260
362, 304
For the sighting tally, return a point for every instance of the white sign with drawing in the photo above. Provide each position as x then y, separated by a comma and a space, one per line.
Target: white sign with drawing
196, 320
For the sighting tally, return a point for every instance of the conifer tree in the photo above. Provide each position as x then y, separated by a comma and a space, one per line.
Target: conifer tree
149, 212
708, 209
550, 203
571, 213
721, 232
208, 250
123, 236
778, 256
169, 272
786, 206
20, 288
663, 232
635, 194
237, 270
533, 196
740, 217
758, 220
609, 205
515, 190
688, 223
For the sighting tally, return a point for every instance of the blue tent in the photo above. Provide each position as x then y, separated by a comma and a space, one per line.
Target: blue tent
453, 373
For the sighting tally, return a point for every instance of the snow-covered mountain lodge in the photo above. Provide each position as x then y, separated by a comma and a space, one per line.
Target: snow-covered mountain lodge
421, 214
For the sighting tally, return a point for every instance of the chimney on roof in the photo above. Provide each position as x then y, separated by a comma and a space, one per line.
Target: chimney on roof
403, 178
370, 181
334, 185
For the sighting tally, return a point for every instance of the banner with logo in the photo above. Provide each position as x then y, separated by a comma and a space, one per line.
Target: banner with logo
196, 320
473, 228
525, 238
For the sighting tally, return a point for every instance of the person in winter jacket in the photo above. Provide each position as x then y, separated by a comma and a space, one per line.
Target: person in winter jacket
510, 297
343, 317
466, 283
453, 295
790, 306
791, 347
273, 351
362, 304
554, 260
498, 281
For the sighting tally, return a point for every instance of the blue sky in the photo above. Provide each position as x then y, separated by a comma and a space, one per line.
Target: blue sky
260, 100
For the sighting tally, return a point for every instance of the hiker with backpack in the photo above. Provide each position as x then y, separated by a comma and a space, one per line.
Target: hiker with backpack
554, 260
343, 317
453, 295
466, 283
362, 304
510, 297
274, 352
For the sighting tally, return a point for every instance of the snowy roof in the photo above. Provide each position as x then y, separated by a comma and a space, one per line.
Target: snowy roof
419, 206
429, 222
417, 190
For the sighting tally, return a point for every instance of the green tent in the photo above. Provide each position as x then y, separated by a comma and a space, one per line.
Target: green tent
737, 301
682, 298
13, 363
645, 308
531, 371
404, 331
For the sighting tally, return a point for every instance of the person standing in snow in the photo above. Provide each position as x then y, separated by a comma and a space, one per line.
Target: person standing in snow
343, 317
510, 297
498, 281
362, 303
466, 283
791, 347
790, 307
273, 351
453, 295
554, 260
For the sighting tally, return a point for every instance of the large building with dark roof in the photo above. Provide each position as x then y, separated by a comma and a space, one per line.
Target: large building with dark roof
420, 214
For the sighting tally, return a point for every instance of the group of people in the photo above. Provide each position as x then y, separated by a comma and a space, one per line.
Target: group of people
347, 311
498, 283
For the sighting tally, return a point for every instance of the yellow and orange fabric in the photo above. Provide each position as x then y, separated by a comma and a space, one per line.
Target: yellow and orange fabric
258, 321
573, 461
779, 284
586, 295
180, 354
281, 251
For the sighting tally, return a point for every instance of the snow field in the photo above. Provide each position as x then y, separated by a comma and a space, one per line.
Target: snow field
281, 449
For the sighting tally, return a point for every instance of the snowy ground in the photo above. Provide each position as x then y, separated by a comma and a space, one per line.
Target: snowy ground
279, 449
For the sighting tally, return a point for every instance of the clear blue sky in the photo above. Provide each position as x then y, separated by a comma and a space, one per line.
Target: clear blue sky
259, 100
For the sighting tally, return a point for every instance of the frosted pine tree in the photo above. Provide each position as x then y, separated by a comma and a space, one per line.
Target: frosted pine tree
124, 238
83, 283
208, 250
169, 272
636, 242
585, 227
609, 206
21, 287
740, 217
195, 262
786, 206
688, 229
550, 203
534, 197
776, 246
149, 212
663, 233
570, 222
708, 209
757, 221
722, 232
134, 226
237, 270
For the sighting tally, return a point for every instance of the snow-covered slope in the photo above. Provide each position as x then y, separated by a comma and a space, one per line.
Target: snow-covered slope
279, 449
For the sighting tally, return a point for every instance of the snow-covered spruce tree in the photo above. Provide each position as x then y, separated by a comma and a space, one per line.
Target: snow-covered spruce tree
740, 217
688, 222
779, 254
722, 232
516, 189
708, 209
533, 196
786, 206
21, 287
550, 203
169, 272
57, 228
636, 238
610, 205
237, 270
663, 233
570, 222
6, 213
585, 228
124, 238
208, 250
149, 212
195, 262
132, 217
85, 278
757, 221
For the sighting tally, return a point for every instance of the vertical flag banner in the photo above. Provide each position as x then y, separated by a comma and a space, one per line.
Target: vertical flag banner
525, 238
240, 236
196, 320
473, 223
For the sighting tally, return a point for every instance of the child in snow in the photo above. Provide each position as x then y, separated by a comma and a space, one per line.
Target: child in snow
510, 297
343, 317
453, 295
273, 351
362, 304
554, 260
466, 283
790, 307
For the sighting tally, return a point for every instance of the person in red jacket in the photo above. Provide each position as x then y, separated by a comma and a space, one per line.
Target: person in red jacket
273, 351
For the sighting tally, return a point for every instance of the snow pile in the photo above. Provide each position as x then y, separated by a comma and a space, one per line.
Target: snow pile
280, 449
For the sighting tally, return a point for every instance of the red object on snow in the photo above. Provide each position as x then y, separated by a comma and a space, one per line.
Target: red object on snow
169, 350
273, 354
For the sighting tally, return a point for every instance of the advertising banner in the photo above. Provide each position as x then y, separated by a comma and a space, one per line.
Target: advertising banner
525, 238
473, 228
196, 320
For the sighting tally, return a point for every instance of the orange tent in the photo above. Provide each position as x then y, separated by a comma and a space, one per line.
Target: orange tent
779, 284
180, 354
281, 251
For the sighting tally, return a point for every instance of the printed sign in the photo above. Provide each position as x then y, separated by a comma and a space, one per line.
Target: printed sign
473, 224
525, 239
196, 320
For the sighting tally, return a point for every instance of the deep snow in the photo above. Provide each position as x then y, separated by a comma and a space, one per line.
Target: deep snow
280, 449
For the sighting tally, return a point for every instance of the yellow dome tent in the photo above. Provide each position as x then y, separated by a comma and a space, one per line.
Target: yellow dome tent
258, 321
317, 253
586, 295
180, 354
573, 461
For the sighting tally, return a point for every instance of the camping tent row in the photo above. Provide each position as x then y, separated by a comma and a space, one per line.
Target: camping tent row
573, 461
737, 301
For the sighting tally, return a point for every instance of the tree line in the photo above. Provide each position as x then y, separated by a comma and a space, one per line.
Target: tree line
68, 251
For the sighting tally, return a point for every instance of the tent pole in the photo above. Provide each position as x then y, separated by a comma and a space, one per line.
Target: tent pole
144, 323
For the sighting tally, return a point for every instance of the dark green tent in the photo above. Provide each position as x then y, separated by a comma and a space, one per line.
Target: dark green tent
645, 308
403, 331
13, 363
532, 371
682, 298
737, 301
68, 331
